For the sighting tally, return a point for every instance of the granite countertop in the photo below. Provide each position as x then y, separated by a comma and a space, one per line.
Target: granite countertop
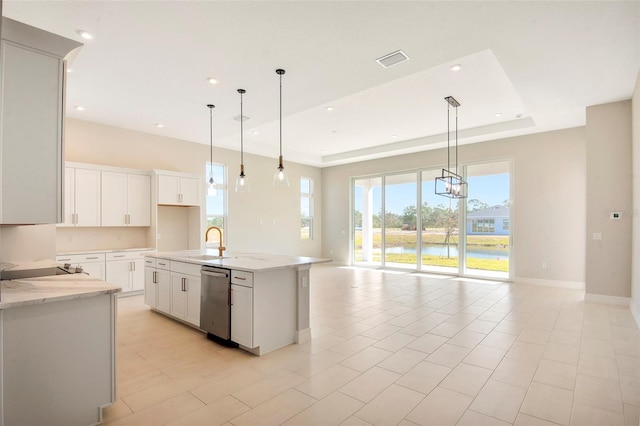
251, 262
33, 291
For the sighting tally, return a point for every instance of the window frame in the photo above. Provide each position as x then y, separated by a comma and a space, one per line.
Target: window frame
220, 186
308, 196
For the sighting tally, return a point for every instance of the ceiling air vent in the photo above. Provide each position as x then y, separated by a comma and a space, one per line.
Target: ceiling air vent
243, 117
392, 59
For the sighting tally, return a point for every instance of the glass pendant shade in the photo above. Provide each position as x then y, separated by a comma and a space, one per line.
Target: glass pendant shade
242, 183
212, 191
280, 177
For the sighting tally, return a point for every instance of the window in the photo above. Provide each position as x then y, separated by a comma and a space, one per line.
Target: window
306, 208
505, 224
216, 206
483, 225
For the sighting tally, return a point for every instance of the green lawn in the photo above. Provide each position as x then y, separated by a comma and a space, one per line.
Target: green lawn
400, 238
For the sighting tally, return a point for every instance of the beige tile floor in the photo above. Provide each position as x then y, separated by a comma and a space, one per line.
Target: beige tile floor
393, 348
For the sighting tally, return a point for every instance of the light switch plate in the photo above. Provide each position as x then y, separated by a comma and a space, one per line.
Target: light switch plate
597, 236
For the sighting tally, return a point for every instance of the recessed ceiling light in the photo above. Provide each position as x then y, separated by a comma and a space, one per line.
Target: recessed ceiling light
69, 69
79, 108
324, 151
518, 115
498, 114
159, 125
456, 67
394, 136
212, 80
255, 132
85, 34
329, 108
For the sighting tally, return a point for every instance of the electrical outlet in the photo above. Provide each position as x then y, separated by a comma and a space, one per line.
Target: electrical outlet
597, 236
544, 265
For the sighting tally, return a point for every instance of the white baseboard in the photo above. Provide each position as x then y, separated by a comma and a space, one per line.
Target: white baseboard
611, 300
573, 285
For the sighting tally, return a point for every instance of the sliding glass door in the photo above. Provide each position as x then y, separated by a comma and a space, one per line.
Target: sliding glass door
440, 234
367, 221
488, 220
399, 222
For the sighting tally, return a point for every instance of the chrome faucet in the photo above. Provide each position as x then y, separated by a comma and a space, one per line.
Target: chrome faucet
221, 248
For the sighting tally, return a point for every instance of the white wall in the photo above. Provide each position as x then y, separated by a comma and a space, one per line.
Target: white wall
635, 266
267, 219
549, 176
608, 141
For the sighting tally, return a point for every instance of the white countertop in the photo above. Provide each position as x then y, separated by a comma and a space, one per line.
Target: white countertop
252, 262
32, 291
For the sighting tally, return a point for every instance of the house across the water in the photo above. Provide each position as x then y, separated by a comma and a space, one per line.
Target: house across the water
490, 221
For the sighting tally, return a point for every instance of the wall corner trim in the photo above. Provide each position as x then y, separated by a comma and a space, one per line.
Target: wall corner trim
611, 300
635, 312
573, 285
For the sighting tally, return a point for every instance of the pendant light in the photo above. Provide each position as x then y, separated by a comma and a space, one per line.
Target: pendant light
280, 178
450, 184
211, 184
242, 184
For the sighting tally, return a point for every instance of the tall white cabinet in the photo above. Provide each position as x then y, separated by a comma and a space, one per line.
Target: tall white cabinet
82, 197
32, 72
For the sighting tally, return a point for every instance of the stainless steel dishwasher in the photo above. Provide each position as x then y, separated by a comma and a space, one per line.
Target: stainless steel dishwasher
215, 303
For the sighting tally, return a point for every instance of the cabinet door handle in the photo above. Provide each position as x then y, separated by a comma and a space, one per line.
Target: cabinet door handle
62, 260
154, 279
133, 266
89, 258
184, 284
118, 255
230, 297
240, 278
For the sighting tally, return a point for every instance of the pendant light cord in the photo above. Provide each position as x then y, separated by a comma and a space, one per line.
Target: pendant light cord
456, 140
211, 140
448, 137
281, 113
241, 131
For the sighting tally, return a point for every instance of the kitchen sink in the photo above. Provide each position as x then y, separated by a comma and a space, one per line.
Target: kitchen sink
208, 257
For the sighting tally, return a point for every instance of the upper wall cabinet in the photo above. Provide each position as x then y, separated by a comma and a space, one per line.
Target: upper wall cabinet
178, 190
32, 72
126, 199
81, 197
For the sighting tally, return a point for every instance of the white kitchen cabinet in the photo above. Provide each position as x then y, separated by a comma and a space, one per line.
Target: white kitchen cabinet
126, 199
157, 287
185, 297
32, 72
81, 197
242, 315
91, 263
126, 269
178, 190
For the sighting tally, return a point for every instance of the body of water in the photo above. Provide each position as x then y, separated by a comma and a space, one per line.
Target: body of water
439, 250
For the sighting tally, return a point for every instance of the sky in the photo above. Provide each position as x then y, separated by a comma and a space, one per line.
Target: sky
490, 189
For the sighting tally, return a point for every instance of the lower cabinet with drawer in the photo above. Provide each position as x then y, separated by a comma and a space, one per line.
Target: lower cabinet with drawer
185, 292
91, 263
242, 308
126, 269
157, 284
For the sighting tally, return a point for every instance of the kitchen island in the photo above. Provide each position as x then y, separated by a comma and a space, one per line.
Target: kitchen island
268, 294
57, 350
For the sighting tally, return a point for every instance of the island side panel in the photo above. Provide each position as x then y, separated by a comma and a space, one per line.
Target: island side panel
58, 361
275, 309
303, 330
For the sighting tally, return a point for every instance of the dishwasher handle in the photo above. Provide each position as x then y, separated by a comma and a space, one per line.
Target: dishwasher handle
214, 274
